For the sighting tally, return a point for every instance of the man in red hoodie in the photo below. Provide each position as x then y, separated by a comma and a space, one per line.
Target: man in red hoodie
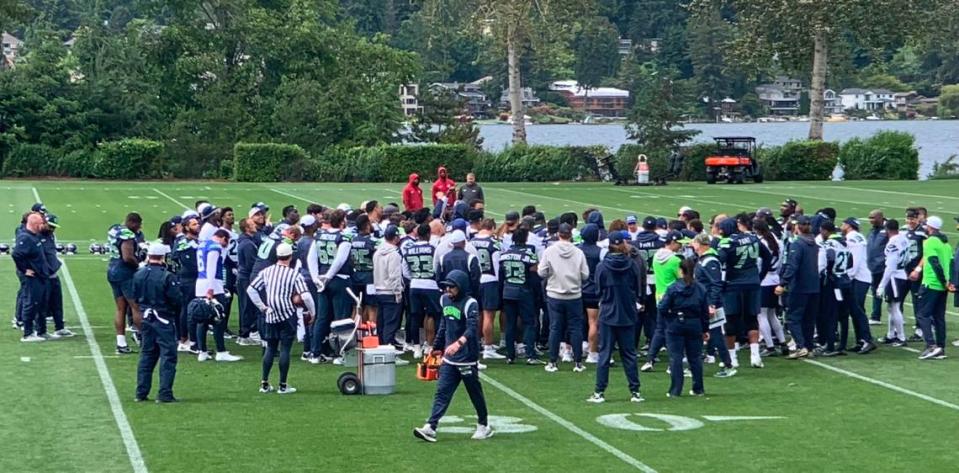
444, 185
412, 194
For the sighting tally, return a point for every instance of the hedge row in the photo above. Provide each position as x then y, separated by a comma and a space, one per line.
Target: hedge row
886, 155
124, 159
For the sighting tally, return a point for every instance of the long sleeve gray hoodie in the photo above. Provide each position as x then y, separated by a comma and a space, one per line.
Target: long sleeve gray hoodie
388, 270
563, 267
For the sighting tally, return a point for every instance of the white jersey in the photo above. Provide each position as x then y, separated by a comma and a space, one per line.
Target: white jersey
857, 248
897, 255
772, 277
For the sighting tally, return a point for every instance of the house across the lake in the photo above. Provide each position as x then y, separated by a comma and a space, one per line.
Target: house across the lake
867, 99
599, 101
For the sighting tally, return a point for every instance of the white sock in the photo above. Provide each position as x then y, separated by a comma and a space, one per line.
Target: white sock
776, 326
754, 350
896, 323
764, 329
732, 354
121, 340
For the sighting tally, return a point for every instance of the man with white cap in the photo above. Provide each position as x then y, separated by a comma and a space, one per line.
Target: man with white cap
934, 274
210, 218
459, 258
155, 291
285, 289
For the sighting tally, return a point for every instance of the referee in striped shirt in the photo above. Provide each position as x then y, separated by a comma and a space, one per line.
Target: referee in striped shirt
282, 285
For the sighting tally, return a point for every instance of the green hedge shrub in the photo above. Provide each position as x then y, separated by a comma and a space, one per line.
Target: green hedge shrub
885, 155
129, 159
27, 160
799, 161
391, 163
80, 163
268, 162
694, 161
948, 169
541, 163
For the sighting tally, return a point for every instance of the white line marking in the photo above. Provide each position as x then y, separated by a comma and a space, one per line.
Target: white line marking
91, 356
884, 384
129, 440
181, 204
25, 359
569, 425
36, 195
910, 194
309, 201
726, 418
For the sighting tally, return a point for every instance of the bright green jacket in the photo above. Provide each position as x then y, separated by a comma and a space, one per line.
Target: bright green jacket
666, 270
936, 247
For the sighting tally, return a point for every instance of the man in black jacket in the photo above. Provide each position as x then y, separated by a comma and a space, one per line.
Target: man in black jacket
458, 340
29, 257
156, 293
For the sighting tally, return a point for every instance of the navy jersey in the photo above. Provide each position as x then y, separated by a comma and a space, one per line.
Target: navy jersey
361, 254
117, 236
419, 259
648, 243
184, 257
916, 238
266, 254
486, 247
838, 261
740, 255
327, 244
516, 271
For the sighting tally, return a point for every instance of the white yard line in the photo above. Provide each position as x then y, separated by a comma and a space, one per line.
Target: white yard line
36, 195
884, 384
909, 194
569, 425
309, 201
129, 440
171, 199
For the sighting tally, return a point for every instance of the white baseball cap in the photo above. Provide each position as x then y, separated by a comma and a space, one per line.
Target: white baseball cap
158, 249
934, 222
458, 237
284, 250
307, 221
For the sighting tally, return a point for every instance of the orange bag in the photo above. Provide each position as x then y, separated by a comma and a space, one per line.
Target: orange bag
429, 369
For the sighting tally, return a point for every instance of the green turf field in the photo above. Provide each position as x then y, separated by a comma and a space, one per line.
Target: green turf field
69, 403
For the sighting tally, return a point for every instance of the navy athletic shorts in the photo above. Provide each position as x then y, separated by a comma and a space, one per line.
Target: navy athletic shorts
742, 302
768, 298
490, 297
425, 300
901, 290
122, 289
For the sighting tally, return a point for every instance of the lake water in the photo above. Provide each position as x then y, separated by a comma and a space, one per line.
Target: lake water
937, 140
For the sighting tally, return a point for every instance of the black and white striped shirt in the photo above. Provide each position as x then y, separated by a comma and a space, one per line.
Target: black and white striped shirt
279, 283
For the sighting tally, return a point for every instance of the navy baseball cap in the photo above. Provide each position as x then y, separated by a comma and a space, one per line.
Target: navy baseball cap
512, 216
630, 220
616, 238
53, 221
261, 206
802, 220
852, 222
460, 224
176, 220
391, 232
649, 223
39, 207
565, 229
661, 222
674, 235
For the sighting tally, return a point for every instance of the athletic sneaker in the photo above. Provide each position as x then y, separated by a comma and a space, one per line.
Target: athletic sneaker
915, 338
315, 360
875, 322
203, 356
417, 352
401, 362
709, 359
955, 343
867, 347
228, 335
596, 398
801, 353
768, 352
255, 336
887, 340
694, 393
124, 350
899, 343
483, 432
551, 368
534, 361
36, 338
227, 356
15, 324
338, 361
266, 388
756, 363
246, 342
579, 368
64, 333
636, 397
566, 358
285, 389
306, 356
490, 354
592, 358
167, 400
480, 366
725, 373
137, 338
425, 433
647, 367
830, 353
931, 352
